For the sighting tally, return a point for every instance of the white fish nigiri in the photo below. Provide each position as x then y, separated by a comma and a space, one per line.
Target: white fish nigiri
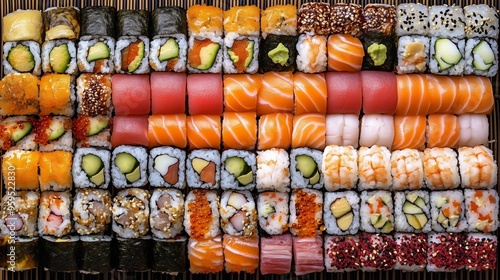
377, 129
474, 130
342, 130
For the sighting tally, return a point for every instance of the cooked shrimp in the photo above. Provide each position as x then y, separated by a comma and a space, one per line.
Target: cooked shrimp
441, 168
374, 166
339, 167
407, 169
477, 167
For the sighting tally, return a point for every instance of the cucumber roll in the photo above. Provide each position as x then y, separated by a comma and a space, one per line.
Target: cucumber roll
341, 212
238, 170
376, 212
131, 213
170, 255
238, 213
129, 166
447, 56
305, 168
54, 133
412, 211
448, 211
95, 254
18, 133
481, 57
92, 131
22, 57
60, 254
167, 213
132, 254
22, 218
18, 254
92, 211
91, 168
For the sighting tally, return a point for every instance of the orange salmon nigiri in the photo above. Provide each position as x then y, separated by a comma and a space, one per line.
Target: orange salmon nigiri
204, 131
409, 132
243, 20
205, 255
443, 130
413, 99
475, 95
241, 253
240, 92
309, 130
310, 93
345, 53
167, 130
239, 130
275, 131
276, 93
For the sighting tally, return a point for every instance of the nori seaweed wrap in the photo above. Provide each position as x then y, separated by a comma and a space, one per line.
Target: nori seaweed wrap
23, 257
169, 20
132, 254
170, 255
133, 23
61, 23
98, 21
95, 254
377, 46
60, 254
277, 53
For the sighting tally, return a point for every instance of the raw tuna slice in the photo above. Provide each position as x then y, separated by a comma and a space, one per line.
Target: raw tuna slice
130, 130
380, 92
308, 254
344, 93
131, 94
276, 254
168, 93
205, 94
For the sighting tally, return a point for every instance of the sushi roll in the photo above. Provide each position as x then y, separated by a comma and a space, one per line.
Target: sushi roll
306, 212
55, 171
342, 253
59, 57
443, 130
481, 57
482, 253
310, 93
345, 53
412, 211
54, 216
204, 132
378, 252
308, 254
305, 168
206, 255
341, 212
94, 95
60, 254
447, 56
238, 213
446, 252
203, 169
413, 54
131, 213
311, 53
474, 130
57, 95
26, 250
92, 211
205, 54
374, 168
205, 94
346, 18
279, 20
276, 254
168, 98
92, 131
238, 170
17, 133
241, 87
167, 167
376, 129
95, 254
376, 212
54, 133
19, 95
482, 210
241, 253
340, 167
409, 130
129, 166
342, 129
407, 170
22, 25
446, 21
314, 18
21, 210
243, 20
22, 57
91, 168
273, 171
166, 130
61, 23
272, 208
448, 211
274, 131
478, 169
481, 21
168, 48
412, 19
132, 254
277, 53
124, 93
276, 95
441, 169
411, 251
20, 162
204, 19
167, 213
201, 214
240, 54
380, 19
170, 255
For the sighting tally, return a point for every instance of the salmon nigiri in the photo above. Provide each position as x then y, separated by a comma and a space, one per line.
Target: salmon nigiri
241, 253
239, 130
345, 53
275, 131
205, 255
203, 131
442, 91
309, 130
240, 92
276, 93
167, 130
443, 130
475, 95
310, 93
409, 132
412, 95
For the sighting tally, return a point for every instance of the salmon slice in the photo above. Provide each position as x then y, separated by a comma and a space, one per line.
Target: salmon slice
276, 93
275, 131
443, 130
206, 255
240, 92
239, 130
203, 131
204, 18
241, 253
310, 93
167, 130
475, 95
442, 91
345, 53
409, 132
412, 97
309, 130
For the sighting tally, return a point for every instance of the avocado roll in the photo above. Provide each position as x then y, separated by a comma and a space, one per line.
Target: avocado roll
168, 53
95, 254
59, 56
132, 254
238, 170
19, 213
96, 54
22, 57
341, 212
205, 54
54, 133
60, 254
481, 57
241, 54
62, 23
447, 56
54, 217
23, 25
55, 171
93, 95
91, 168
167, 213
170, 255
203, 169
167, 167
277, 53
448, 211
24, 250
92, 211
17, 133
131, 213
92, 131
238, 213
305, 168
129, 166
412, 211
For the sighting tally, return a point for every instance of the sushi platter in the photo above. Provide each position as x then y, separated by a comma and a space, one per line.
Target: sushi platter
249, 139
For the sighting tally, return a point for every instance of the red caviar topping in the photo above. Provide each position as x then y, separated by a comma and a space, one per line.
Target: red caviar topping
306, 209
200, 214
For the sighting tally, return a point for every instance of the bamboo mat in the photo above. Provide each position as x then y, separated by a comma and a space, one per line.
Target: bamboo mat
8, 6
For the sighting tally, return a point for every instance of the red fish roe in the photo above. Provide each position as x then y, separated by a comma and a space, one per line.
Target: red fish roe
200, 214
343, 253
446, 251
81, 127
43, 128
411, 249
481, 252
306, 207
378, 251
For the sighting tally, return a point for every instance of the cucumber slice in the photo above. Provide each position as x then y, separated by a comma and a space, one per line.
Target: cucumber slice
447, 53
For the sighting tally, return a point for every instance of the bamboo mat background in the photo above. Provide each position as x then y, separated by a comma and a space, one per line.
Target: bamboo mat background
8, 6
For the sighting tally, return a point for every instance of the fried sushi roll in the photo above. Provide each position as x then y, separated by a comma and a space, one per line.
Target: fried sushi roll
23, 217
55, 171
21, 162
19, 95
57, 95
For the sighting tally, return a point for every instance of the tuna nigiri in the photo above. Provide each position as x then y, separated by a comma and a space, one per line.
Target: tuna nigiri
205, 94
167, 130
380, 94
204, 132
409, 132
275, 131
240, 92
241, 253
344, 93
309, 130
131, 94
310, 93
130, 130
168, 93
443, 130
345, 53
239, 130
276, 93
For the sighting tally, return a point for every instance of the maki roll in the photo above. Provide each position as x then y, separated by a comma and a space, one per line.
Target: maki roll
238, 170
21, 162
376, 212
242, 20
91, 168
129, 166
272, 208
238, 213
441, 169
481, 57
205, 54
481, 21
305, 168
131, 213
167, 213
60, 254
94, 95
168, 49
446, 252
306, 212
277, 53
378, 252
132, 254
478, 169
55, 171
413, 54
21, 210
92, 131
170, 255
57, 95
17, 133
19, 95
374, 166
95, 254
482, 210
346, 18
340, 167
203, 169
167, 167
92, 211
276, 254
482, 253
412, 211
61, 23
201, 215
133, 23
279, 20
446, 21
407, 170
342, 253
24, 249
59, 56
341, 212
311, 53
54, 133
241, 253
22, 57
412, 19
447, 56
273, 171
205, 255
411, 251
314, 18
54, 217
23, 25
448, 211
204, 19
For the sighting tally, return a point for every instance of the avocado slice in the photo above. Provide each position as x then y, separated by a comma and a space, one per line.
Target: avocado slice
250, 51
381, 222
306, 165
441, 217
447, 53
340, 207
125, 162
208, 54
440, 201
413, 221
199, 164
97, 125
411, 197
454, 220
134, 175
136, 62
420, 202
236, 166
98, 178
59, 58
315, 178
268, 210
245, 179
21, 58
56, 130
98, 51
91, 164
374, 218
21, 131
388, 227
345, 221
422, 219
169, 50
410, 208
